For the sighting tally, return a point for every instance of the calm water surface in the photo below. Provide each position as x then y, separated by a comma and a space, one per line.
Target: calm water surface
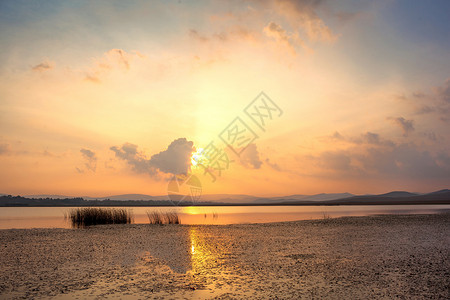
53, 217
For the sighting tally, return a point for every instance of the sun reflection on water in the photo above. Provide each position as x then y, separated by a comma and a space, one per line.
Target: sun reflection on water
204, 254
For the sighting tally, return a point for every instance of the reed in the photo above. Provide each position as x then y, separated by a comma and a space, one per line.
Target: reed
326, 216
88, 216
159, 218
172, 218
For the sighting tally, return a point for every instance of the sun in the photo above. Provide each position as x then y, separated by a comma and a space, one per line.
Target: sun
197, 157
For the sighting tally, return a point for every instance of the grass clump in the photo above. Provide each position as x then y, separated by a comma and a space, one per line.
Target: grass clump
326, 216
159, 218
172, 218
88, 216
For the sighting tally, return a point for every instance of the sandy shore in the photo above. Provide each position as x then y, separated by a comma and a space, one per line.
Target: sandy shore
347, 258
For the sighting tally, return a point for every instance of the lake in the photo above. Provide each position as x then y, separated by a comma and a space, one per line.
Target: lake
53, 217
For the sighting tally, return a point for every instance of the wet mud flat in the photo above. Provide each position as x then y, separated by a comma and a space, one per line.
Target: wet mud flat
383, 257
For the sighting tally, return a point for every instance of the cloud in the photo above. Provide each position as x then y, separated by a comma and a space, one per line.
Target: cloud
443, 92
274, 166
366, 161
431, 136
302, 17
335, 160
405, 160
119, 57
91, 159
346, 17
43, 66
88, 154
425, 109
370, 155
365, 138
290, 23
250, 157
443, 160
407, 126
134, 158
372, 138
5, 148
231, 33
114, 59
436, 103
176, 159
49, 154
275, 31
336, 135
92, 78
196, 35
418, 95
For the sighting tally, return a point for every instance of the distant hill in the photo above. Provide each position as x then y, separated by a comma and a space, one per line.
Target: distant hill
47, 196
441, 192
222, 198
438, 197
125, 197
324, 197
290, 197
228, 198
396, 194
395, 197
317, 197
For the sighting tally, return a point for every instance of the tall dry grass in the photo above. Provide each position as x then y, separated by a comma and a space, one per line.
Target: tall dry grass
159, 218
88, 216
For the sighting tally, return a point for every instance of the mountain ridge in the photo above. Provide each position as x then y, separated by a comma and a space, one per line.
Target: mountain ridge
250, 199
392, 198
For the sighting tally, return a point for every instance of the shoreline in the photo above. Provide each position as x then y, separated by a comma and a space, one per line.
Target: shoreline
203, 217
382, 256
445, 202
319, 219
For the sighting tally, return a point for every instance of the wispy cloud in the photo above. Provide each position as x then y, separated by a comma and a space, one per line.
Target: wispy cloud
435, 102
112, 60
443, 92
136, 159
291, 24
250, 157
91, 159
275, 31
303, 18
273, 165
43, 66
407, 126
368, 137
5, 148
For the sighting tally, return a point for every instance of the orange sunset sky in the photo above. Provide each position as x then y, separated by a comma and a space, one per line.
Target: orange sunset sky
113, 97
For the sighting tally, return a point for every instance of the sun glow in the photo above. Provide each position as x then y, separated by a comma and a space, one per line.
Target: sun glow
197, 157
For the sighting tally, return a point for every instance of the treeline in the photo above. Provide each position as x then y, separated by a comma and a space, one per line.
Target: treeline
440, 197
22, 201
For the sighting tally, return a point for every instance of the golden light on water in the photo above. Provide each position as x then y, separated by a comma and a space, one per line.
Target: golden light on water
192, 210
199, 254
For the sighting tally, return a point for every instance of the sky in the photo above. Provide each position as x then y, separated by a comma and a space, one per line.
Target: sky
116, 97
